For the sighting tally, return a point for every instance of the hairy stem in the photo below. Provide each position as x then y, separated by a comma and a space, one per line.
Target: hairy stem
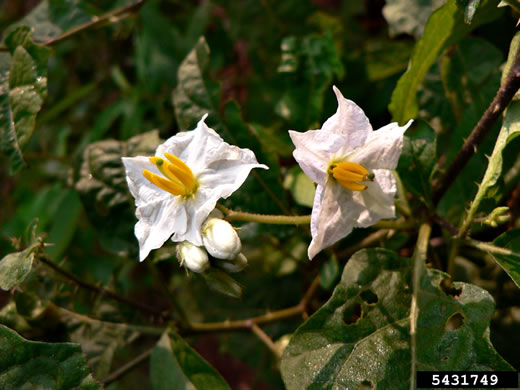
498, 105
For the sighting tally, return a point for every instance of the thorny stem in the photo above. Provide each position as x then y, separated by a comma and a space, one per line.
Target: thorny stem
419, 262
94, 22
99, 290
502, 99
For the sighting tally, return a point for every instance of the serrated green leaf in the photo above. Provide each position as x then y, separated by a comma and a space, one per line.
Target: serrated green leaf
409, 16
191, 98
509, 262
175, 365
222, 283
23, 88
417, 161
28, 364
469, 7
361, 335
445, 27
16, 267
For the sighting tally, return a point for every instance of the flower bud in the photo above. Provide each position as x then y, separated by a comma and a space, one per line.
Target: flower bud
192, 257
237, 264
220, 239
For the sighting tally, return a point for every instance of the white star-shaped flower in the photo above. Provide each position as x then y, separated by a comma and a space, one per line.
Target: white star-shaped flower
177, 189
351, 165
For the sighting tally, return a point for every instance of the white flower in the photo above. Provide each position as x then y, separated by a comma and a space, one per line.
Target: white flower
220, 239
351, 165
192, 257
176, 190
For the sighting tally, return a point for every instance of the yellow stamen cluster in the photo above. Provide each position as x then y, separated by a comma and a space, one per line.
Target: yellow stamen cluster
349, 174
178, 178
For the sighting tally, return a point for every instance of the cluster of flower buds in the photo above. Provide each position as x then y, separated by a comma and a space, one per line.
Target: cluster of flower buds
497, 217
221, 242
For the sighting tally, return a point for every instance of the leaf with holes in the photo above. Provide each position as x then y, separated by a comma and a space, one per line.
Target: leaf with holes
191, 98
23, 88
28, 364
361, 336
445, 27
510, 262
175, 365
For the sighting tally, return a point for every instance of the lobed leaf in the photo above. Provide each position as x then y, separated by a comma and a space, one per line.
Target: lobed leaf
28, 364
23, 88
175, 365
361, 336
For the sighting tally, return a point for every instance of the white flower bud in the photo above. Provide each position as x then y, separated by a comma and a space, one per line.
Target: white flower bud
192, 257
237, 264
220, 239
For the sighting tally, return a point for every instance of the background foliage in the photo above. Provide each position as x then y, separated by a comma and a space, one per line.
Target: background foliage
83, 83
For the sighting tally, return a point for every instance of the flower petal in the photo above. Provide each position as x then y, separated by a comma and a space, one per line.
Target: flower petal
349, 121
334, 215
378, 199
382, 149
143, 191
157, 222
313, 151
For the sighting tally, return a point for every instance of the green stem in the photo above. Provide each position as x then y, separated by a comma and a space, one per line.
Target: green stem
232, 215
419, 263
487, 247
401, 203
127, 367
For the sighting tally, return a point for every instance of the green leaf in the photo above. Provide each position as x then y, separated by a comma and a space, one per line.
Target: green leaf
417, 161
513, 50
191, 98
64, 224
102, 175
509, 262
445, 27
329, 273
28, 364
361, 335
221, 282
469, 7
16, 267
510, 130
409, 16
301, 187
23, 88
175, 365
308, 65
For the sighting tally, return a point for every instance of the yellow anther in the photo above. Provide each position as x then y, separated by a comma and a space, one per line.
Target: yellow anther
178, 178
178, 168
174, 188
349, 174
